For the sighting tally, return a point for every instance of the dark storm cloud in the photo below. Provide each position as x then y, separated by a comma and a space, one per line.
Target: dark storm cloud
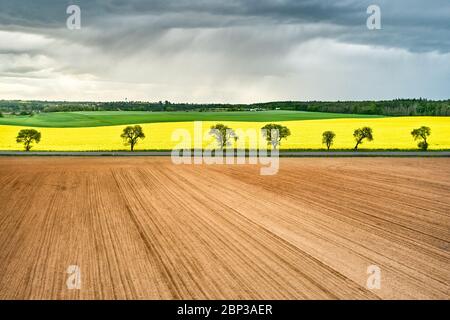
225, 50
413, 24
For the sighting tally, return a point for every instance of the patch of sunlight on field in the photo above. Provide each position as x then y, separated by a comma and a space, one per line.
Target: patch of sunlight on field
389, 133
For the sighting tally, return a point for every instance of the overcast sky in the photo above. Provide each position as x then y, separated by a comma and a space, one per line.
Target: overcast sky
236, 51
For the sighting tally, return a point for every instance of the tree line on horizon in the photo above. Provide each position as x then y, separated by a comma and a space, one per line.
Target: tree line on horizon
398, 107
224, 135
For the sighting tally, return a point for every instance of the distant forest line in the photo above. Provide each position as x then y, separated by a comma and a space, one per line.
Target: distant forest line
400, 107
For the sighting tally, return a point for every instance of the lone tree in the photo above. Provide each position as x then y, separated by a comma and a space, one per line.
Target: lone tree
131, 135
274, 133
223, 134
27, 137
422, 133
328, 138
361, 134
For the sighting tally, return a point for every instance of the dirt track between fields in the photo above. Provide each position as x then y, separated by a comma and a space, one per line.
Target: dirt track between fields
145, 228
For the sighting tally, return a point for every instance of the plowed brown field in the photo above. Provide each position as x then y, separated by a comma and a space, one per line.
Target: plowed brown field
145, 228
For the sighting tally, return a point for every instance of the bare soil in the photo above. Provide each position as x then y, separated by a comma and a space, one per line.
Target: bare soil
144, 228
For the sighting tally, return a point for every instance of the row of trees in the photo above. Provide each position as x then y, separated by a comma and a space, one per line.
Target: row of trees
398, 107
274, 133
366, 133
361, 134
224, 135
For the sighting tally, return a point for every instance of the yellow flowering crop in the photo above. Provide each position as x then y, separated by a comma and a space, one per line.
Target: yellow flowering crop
389, 133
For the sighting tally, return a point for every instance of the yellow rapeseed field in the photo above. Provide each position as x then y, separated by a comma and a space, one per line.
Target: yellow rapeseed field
389, 133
